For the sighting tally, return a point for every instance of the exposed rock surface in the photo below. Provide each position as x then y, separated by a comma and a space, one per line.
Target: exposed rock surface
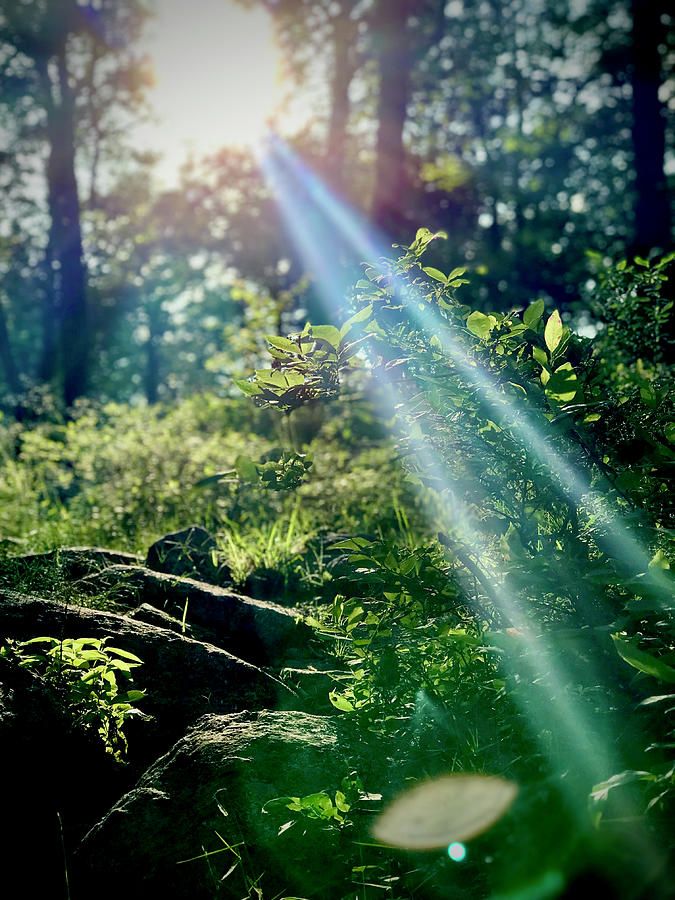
56, 781
73, 562
153, 616
192, 552
217, 779
201, 646
183, 678
256, 630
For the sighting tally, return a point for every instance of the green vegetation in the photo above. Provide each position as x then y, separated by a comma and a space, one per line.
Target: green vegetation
551, 557
453, 464
491, 584
81, 676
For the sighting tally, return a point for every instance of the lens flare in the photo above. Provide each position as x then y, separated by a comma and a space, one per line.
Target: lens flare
457, 851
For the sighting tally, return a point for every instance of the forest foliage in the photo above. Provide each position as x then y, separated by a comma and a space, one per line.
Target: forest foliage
451, 446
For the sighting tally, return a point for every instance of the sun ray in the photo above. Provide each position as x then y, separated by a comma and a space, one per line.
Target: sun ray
585, 746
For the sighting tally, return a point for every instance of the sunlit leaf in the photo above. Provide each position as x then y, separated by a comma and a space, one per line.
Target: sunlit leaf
533, 313
327, 333
340, 702
282, 343
562, 386
480, 324
436, 274
553, 331
540, 356
643, 662
250, 388
361, 316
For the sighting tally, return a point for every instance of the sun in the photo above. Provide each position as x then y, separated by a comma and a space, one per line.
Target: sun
217, 83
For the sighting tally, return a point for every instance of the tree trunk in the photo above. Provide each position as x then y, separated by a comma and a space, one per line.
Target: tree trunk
394, 53
652, 206
344, 67
48, 363
67, 280
73, 282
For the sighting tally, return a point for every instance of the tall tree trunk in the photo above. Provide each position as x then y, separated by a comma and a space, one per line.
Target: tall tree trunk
73, 281
394, 53
48, 362
652, 207
67, 281
344, 67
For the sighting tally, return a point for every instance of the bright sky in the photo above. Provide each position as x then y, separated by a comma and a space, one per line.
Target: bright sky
217, 78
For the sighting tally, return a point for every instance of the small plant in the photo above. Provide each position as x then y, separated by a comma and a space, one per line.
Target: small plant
277, 470
328, 809
81, 674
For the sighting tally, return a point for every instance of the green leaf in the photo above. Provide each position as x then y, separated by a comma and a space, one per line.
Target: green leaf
435, 274
340, 702
600, 791
124, 653
422, 236
132, 696
562, 386
643, 662
327, 333
246, 469
361, 316
533, 313
294, 378
480, 324
540, 356
356, 543
282, 343
341, 802
659, 561
553, 331
649, 701
250, 388
670, 432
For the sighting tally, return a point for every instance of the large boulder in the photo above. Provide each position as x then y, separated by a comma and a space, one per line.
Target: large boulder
192, 552
183, 678
57, 782
255, 630
207, 793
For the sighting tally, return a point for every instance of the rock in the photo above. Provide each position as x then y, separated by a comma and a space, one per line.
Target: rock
210, 789
270, 584
312, 686
154, 616
183, 678
255, 630
70, 562
191, 552
57, 783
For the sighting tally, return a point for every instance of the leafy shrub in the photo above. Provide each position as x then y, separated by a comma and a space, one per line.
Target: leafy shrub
81, 674
527, 435
120, 476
